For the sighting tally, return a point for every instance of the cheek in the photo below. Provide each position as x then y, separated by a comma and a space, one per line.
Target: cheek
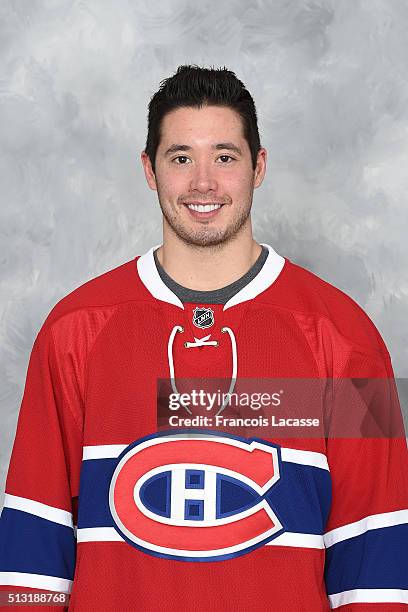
172, 184
239, 185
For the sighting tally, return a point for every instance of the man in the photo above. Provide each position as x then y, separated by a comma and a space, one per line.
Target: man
104, 503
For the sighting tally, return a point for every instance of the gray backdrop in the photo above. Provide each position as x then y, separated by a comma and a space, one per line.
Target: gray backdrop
329, 78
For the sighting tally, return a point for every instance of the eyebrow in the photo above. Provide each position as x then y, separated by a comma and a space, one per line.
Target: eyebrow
221, 145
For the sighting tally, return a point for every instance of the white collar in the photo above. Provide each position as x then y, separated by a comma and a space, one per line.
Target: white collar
150, 277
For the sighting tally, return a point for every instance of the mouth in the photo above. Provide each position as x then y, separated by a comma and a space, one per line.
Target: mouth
203, 211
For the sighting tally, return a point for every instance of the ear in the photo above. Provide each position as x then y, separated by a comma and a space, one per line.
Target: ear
260, 168
148, 170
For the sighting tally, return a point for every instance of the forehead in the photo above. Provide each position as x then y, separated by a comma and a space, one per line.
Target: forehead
202, 125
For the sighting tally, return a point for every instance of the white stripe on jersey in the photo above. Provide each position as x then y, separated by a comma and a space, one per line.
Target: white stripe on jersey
369, 596
109, 534
36, 581
375, 521
56, 515
290, 455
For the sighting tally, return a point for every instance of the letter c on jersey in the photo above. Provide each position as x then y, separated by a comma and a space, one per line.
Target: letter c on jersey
195, 496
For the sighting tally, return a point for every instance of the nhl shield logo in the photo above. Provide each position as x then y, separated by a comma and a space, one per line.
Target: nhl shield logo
203, 317
196, 496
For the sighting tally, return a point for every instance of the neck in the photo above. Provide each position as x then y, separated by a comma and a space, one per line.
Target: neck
206, 268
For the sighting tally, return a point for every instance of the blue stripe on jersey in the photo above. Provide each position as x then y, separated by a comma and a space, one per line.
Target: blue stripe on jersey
301, 498
34, 545
93, 509
373, 560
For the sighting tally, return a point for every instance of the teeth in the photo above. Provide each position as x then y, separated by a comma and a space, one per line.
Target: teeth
204, 207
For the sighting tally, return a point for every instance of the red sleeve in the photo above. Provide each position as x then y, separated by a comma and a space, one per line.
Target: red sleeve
37, 535
367, 532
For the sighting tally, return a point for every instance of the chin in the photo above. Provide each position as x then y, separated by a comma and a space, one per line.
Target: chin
206, 239
203, 241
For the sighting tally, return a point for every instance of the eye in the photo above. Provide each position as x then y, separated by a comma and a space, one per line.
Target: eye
180, 157
229, 156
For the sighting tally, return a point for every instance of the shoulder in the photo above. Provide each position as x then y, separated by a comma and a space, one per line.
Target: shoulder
305, 294
104, 292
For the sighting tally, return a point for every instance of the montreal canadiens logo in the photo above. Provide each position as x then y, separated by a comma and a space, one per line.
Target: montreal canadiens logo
195, 496
203, 317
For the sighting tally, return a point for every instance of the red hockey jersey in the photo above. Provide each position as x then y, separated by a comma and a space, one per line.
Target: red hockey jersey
103, 504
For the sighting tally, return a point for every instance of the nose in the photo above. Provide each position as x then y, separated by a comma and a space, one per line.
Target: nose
203, 177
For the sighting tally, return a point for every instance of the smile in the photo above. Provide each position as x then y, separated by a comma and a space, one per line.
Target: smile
203, 207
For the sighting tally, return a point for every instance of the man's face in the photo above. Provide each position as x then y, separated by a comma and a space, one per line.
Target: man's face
204, 176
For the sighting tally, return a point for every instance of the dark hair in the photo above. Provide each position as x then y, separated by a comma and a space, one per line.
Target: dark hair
193, 86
